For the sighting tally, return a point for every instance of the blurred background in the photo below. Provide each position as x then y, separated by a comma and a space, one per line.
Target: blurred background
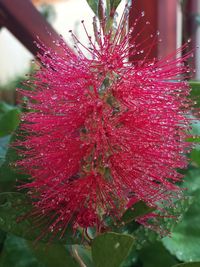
16, 40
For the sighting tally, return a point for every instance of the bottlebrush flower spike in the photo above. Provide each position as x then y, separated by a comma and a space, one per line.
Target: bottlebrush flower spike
104, 132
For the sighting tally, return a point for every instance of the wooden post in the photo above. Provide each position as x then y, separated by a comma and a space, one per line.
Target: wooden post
191, 30
167, 25
162, 15
150, 8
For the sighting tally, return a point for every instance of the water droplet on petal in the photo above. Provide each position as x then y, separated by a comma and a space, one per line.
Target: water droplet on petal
117, 245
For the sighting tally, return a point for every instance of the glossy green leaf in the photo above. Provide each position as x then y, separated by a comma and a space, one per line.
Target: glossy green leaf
111, 249
111, 6
94, 5
132, 260
195, 128
16, 253
195, 139
14, 206
195, 131
139, 209
184, 242
155, 254
195, 155
8, 170
4, 141
114, 4
189, 264
128, 222
53, 255
9, 119
195, 92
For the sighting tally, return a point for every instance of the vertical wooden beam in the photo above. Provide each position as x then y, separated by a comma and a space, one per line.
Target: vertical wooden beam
150, 8
167, 25
2, 18
162, 15
191, 30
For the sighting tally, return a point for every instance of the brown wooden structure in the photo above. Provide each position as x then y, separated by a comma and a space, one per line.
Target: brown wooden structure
162, 15
22, 19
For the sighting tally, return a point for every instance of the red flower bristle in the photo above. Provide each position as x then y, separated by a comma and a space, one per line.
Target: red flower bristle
104, 132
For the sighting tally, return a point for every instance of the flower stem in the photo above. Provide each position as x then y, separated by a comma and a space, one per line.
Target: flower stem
77, 256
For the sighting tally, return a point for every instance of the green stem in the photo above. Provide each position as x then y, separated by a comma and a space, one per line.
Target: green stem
77, 256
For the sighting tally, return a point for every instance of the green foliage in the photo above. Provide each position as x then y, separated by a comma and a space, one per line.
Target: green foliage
195, 155
195, 132
9, 119
111, 249
155, 254
114, 4
195, 92
53, 255
127, 223
12, 206
190, 264
185, 239
15, 219
83, 253
111, 6
18, 252
94, 5
184, 242
138, 210
8, 171
4, 141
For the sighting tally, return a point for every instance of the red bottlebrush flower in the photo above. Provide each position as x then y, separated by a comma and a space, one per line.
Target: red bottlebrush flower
103, 132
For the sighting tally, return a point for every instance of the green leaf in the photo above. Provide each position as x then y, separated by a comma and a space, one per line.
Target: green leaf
9, 122
111, 5
195, 155
195, 128
138, 210
114, 4
127, 223
189, 264
94, 5
16, 253
4, 141
195, 132
155, 254
111, 249
9, 119
195, 92
14, 206
132, 260
82, 254
53, 255
184, 242
195, 139
8, 172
